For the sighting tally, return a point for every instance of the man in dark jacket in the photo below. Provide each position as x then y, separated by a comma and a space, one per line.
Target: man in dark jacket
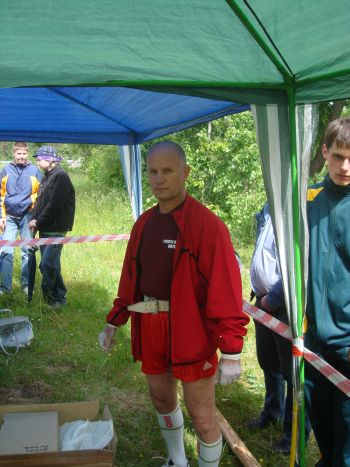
328, 304
19, 183
53, 216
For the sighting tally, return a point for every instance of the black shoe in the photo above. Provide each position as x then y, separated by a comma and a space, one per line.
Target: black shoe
281, 446
263, 421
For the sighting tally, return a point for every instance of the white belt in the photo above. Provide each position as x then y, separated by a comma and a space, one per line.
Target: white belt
150, 306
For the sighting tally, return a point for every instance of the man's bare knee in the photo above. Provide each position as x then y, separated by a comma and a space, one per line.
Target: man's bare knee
200, 402
206, 426
162, 389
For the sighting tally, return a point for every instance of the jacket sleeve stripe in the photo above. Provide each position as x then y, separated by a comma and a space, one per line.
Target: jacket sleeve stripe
3, 194
35, 188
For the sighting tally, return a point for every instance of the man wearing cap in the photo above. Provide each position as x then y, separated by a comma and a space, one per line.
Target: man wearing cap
53, 216
19, 181
181, 286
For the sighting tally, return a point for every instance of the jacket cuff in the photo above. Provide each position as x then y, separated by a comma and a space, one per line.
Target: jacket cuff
231, 356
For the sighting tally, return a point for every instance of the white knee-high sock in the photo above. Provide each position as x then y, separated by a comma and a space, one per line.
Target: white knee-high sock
209, 454
172, 428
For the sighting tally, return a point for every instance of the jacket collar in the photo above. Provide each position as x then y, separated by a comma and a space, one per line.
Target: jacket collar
339, 190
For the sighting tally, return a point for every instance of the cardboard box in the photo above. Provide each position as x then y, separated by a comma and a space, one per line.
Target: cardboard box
67, 412
23, 433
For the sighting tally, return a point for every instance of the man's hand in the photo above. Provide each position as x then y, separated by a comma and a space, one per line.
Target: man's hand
265, 303
228, 371
3, 223
32, 225
106, 338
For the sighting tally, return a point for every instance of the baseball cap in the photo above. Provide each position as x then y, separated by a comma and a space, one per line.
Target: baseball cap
48, 153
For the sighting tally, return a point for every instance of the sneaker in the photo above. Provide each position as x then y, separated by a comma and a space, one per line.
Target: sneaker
281, 446
25, 291
261, 422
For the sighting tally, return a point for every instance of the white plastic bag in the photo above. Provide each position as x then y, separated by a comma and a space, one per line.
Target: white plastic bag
82, 434
15, 332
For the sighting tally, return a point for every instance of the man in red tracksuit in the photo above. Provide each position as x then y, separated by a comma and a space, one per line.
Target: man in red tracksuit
181, 286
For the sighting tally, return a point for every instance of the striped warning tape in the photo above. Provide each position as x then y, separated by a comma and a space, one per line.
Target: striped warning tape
317, 362
65, 240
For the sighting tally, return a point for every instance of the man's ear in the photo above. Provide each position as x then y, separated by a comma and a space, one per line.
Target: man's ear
325, 152
187, 171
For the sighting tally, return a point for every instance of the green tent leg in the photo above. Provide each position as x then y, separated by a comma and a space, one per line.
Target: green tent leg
297, 262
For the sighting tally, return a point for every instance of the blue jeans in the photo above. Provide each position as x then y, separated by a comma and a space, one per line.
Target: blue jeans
52, 285
13, 226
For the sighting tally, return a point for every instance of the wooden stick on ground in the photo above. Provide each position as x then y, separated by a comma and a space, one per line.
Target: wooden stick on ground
236, 444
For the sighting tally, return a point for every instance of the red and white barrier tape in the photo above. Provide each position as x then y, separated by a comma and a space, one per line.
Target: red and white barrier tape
58, 240
317, 362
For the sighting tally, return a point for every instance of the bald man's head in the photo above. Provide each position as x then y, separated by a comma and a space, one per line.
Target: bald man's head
167, 174
167, 147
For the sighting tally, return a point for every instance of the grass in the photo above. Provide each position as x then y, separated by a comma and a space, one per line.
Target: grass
64, 362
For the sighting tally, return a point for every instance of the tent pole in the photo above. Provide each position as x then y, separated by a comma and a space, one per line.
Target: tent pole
281, 66
297, 267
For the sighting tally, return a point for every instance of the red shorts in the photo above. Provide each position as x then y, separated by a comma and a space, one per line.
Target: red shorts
155, 347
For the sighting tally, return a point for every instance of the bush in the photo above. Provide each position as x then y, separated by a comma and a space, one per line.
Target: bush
102, 165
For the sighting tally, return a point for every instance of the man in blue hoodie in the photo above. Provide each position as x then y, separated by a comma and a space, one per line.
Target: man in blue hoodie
328, 304
19, 181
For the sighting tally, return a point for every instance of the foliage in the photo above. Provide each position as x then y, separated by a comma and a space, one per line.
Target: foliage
6, 150
327, 112
225, 171
103, 167
100, 163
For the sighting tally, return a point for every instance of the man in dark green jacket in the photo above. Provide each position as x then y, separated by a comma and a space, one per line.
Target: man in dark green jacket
328, 305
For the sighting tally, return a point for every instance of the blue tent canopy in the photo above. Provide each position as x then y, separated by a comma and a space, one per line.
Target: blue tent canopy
101, 115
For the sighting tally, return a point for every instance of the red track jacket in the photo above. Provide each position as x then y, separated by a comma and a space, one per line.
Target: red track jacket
206, 292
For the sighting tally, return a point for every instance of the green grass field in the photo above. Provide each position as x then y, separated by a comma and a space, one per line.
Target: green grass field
65, 364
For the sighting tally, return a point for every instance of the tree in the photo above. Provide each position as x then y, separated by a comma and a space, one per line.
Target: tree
328, 111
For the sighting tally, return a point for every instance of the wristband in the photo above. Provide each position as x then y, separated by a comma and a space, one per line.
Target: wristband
231, 356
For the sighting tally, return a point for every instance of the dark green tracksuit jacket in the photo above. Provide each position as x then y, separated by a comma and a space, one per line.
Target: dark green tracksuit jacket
328, 307
328, 313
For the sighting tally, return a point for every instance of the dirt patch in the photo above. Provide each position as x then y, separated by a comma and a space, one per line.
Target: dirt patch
25, 393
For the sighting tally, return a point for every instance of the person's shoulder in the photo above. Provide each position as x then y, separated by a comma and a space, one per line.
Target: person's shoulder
7, 167
201, 215
145, 215
60, 173
142, 219
196, 206
31, 168
314, 190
